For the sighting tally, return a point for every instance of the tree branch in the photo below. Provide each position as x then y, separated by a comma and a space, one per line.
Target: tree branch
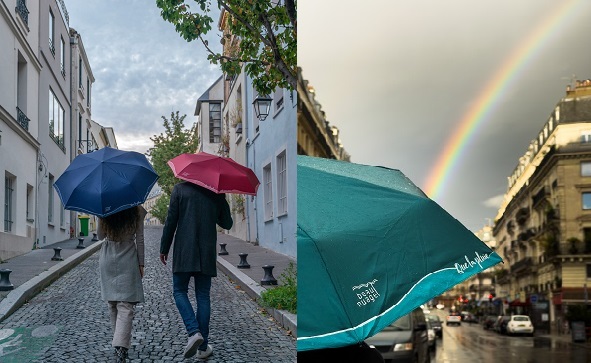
231, 59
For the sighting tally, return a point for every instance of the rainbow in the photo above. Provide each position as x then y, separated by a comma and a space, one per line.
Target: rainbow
488, 99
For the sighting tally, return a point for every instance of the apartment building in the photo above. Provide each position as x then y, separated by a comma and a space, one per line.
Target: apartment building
45, 121
55, 128
543, 227
316, 137
20, 167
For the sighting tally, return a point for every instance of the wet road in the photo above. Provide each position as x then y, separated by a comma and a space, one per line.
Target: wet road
471, 343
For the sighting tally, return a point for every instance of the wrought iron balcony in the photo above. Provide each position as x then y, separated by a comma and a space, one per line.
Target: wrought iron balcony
521, 265
21, 9
51, 46
540, 196
22, 119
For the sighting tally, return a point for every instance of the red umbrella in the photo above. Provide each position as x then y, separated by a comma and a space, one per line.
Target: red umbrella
216, 173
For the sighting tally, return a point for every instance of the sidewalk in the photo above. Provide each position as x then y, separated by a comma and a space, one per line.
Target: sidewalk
34, 271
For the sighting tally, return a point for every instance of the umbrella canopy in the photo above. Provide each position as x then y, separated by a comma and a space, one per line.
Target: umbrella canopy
216, 173
106, 181
371, 248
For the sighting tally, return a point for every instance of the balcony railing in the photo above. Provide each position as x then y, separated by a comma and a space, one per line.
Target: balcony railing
521, 265
51, 46
540, 196
22, 119
21, 9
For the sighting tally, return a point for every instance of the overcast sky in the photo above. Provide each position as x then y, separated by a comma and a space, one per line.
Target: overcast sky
143, 69
398, 77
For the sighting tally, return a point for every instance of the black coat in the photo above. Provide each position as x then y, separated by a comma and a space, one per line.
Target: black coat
193, 214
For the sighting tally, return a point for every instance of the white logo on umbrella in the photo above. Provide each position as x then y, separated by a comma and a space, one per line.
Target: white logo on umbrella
461, 267
368, 293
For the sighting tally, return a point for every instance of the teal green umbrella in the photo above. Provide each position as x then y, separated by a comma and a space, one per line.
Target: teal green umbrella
371, 248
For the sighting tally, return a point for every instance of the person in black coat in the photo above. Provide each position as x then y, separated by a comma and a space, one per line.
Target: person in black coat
192, 217
356, 353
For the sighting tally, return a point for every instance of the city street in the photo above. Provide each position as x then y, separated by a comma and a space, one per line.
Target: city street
471, 343
68, 322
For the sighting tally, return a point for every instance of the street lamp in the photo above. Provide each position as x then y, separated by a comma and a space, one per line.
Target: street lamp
262, 106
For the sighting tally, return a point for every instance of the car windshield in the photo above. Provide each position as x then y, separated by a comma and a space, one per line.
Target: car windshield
401, 324
434, 318
520, 318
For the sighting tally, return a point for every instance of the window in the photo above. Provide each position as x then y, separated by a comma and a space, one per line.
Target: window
585, 168
587, 239
586, 200
281, 184
63, 57
30, 200
8, 202
267, 181
50, 199
62, 216
278, 99
589, 270
87, 92
51, 32
586, 136
21, 9
80, 72
57, 117
215, 122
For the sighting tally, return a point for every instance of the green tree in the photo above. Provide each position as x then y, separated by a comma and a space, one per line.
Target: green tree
267, 32
175, 140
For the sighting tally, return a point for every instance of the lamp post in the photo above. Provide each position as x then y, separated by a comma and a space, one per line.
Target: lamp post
262, 106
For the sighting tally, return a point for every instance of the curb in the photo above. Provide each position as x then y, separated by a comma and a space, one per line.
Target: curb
253, 289
23, 293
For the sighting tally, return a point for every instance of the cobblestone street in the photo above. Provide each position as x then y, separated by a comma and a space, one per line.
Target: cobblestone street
68, 322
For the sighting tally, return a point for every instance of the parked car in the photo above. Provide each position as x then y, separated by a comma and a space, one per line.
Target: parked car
432, 337
436, 324
405, 340
520, 324
453, 319
468, 317
488, 321
500, 325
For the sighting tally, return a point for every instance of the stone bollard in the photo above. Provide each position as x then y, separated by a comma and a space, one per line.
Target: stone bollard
94, 237
81, 243
268, 279
223, 251
243, 263
56, 254
5, 284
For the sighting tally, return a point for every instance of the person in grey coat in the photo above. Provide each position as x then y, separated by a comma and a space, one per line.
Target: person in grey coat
193, 214
121, 267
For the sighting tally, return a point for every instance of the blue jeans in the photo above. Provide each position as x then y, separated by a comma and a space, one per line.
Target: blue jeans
193, 322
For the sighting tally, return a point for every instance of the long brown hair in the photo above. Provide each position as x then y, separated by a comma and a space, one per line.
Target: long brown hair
121, 224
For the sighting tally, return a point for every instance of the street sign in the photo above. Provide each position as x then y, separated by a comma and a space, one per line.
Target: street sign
533, 298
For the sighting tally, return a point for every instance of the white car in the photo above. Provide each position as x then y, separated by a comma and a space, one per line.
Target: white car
520, 324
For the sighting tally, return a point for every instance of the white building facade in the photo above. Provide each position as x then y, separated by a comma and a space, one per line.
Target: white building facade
20, 70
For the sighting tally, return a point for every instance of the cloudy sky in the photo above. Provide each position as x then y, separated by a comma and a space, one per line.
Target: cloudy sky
400, 78
143, 69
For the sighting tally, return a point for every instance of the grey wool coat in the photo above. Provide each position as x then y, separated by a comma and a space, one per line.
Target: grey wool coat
119, 263
193, 214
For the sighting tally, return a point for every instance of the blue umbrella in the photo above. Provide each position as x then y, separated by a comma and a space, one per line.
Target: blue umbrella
106, 181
